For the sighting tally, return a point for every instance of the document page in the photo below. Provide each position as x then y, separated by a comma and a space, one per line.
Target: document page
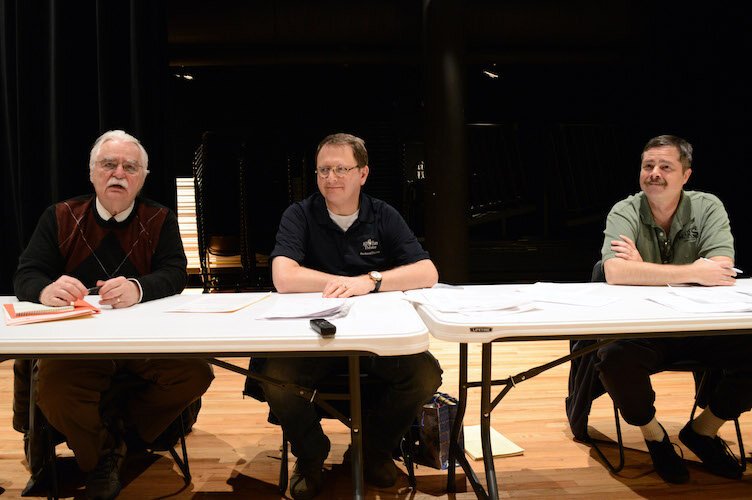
703, 299
220, 302
459, 300
575, 295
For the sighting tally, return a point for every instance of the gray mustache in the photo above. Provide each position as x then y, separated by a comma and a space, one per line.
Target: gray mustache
118, 182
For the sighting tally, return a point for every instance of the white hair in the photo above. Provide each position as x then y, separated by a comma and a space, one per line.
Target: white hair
117, 135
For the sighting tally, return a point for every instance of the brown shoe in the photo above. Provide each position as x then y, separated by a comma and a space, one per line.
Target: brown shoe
103, 483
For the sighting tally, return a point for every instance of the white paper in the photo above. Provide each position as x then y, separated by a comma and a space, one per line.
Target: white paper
220, 302
291, 306
584, 295
466, 301
711, 295
686, 305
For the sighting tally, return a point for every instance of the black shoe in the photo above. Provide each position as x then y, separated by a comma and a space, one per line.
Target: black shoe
713, 451
307, 476
378, 469
669, 466
103, 483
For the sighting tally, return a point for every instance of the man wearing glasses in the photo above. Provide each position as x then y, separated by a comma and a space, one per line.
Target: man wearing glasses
344, 243
130, 249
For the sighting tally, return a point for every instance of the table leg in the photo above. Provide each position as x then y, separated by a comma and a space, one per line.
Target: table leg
485, 422
356, 434
456, 453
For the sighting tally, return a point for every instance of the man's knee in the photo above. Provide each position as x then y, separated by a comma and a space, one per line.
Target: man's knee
426, 378
59, 383
616, 358
201, 376
53, 392
281, 370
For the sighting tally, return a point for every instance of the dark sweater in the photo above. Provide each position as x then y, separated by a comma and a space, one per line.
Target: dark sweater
72, 239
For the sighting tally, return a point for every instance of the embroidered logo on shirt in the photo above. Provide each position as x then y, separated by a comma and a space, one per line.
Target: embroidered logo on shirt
370, 247
690, 233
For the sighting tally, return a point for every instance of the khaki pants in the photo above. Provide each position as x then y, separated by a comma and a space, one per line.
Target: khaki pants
70, 391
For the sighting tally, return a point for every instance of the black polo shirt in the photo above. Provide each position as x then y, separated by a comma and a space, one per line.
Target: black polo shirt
378, 240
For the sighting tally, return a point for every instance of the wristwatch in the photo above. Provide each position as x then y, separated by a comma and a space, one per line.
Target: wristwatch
376, 278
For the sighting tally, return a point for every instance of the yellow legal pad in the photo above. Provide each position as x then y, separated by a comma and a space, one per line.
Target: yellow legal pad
500, 444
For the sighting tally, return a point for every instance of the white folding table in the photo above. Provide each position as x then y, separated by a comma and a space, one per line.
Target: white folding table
631, 316
377, 324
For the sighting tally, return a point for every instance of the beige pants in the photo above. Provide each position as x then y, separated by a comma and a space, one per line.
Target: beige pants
70, 391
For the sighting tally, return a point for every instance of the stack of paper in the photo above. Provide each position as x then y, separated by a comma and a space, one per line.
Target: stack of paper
292, 306
21, 313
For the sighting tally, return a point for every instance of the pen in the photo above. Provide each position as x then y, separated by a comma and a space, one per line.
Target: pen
735, 269
94, 290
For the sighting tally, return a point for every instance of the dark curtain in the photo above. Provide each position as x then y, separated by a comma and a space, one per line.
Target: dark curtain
70, 71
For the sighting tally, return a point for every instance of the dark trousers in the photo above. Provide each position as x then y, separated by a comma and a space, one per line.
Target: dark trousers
625, 367
70, 391
409, 382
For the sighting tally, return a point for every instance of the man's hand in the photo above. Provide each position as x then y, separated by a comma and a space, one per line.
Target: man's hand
625, 249
63, 292
348, 286
713, 273
118, 292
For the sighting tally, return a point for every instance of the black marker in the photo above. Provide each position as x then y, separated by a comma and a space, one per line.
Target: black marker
323, 327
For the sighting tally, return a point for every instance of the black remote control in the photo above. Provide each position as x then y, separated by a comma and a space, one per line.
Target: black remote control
323, 327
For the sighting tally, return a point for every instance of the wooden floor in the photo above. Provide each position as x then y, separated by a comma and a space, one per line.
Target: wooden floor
234, 452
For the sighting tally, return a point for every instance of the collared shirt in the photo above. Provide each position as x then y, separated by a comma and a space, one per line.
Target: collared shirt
106, 215
377, 241
699, 228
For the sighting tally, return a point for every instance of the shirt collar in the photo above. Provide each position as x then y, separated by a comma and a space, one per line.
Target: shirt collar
105, 215
321, 212
681, 218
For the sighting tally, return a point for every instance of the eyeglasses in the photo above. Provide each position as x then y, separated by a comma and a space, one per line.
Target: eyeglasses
130, 168
339, 170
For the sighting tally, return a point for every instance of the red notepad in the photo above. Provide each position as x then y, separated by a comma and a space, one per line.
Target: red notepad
80, 308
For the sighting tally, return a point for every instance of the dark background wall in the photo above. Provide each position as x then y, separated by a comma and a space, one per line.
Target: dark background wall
558, 100
552, 142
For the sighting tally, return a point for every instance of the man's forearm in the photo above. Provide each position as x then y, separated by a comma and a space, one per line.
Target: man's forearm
713, 271
297, 279
623, 272
289, 277
421, 274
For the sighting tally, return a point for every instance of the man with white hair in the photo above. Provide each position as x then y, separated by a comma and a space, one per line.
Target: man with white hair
130, 248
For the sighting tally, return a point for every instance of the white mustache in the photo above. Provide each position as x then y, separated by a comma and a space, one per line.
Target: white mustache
123, 183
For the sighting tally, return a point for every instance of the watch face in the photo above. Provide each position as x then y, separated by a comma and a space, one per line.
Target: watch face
375, 275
